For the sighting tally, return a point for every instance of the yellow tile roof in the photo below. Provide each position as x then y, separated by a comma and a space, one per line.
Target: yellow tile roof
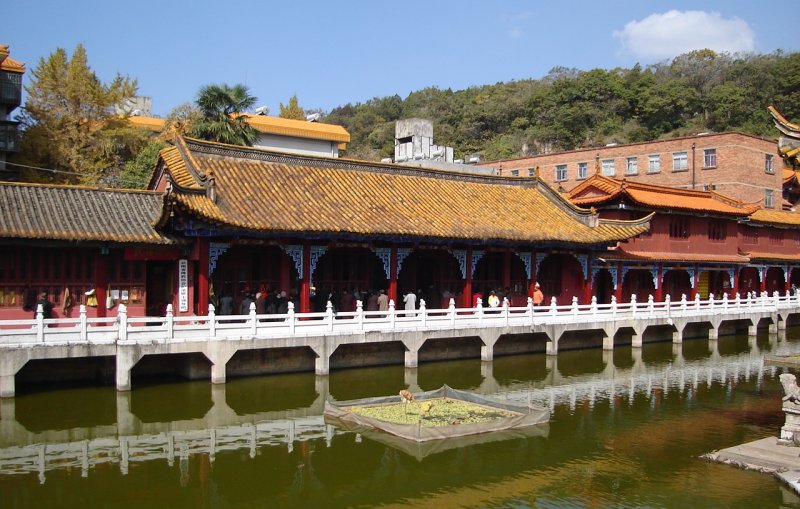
599, 189
298, 128
9, 64
776, 217
271, 125
263, 191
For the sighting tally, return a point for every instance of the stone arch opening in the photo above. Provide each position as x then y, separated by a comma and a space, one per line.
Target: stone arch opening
429, 273
677, 283
561, 276
345, 275
247, 269
638, 282
603, 286
775, 280
749, 280
489, 276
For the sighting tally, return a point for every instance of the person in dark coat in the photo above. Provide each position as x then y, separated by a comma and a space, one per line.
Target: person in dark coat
47, 306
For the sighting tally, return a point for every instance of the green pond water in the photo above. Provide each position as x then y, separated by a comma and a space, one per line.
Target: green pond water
627, 431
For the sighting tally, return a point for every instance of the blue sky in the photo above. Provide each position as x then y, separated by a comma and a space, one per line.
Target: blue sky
332, 53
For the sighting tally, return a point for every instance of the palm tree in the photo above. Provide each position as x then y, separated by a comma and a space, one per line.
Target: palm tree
220, 106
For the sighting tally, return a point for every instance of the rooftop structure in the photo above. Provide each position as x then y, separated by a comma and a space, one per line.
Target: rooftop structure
11, 72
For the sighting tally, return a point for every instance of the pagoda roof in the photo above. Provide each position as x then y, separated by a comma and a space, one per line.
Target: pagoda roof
622, 254
776, 217
268, 192
80, 214
7, 63
598, 190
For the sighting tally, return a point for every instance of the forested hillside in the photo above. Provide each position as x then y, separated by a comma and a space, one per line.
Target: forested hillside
696, 92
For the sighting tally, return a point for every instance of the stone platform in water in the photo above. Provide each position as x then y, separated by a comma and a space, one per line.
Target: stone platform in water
767, 455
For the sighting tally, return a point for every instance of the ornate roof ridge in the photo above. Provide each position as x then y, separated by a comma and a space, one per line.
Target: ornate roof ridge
81, 188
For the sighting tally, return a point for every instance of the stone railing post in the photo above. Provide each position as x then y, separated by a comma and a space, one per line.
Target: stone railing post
360, 315
329, 316
633, 305
169, 320
697, 301
593, 305
212, 322
529, 311
668, 305
683, 302
451, 310
122, 320
711, 302
505, 310
737, 302
775, 298
725, 301
252, 320
392, 314
651, 306
291, 318
423, 313
83, 324
479, 310
553, 306
574, 308
614, 306
39, 323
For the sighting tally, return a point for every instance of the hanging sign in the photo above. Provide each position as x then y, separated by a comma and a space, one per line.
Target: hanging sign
183, 285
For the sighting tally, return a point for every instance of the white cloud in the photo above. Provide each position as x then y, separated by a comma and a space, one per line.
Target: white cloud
672, 33
515, 33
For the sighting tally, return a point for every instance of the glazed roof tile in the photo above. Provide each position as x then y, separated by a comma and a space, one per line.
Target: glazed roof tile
669, 256
264, 191
599, 189
776, 217
7, 63
72, 213
270, 125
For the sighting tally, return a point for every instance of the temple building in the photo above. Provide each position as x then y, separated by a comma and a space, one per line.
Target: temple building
699, 243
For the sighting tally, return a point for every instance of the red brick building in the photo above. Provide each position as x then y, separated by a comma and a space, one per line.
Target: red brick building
738, 165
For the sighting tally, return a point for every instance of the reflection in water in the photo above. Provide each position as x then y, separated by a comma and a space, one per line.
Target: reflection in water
627, 429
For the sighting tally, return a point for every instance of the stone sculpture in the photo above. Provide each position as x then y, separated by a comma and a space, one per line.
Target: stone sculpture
790, 432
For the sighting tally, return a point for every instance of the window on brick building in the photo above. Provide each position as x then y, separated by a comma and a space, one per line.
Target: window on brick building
680, 161
769, 201
531, 172
653, 163
607, 167
561, 172
515, 173
631, 166
710, 158
768, 166
679, 227
776, 237
583, 170
749, 235
717, 230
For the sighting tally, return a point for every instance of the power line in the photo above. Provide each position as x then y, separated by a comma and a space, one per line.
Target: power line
50, 170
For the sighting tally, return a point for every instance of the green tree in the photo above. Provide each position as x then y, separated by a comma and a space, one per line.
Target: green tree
292, 110
68, 121
137, 172
220, 120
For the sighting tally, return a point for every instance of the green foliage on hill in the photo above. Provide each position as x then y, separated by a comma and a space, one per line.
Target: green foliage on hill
695, 92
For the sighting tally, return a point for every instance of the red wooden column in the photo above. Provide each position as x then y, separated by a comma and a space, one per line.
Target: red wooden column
392, 292
101, 282
305, 283
286, 274
532, 280
735, 283
202, 276
618, 290
588, 286
762, 285
466, 296
506, 271
660, 287
787, 283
